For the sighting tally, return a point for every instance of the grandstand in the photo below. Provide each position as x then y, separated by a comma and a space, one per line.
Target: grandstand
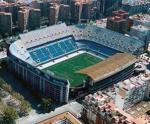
108, 67
55, 59
53, 50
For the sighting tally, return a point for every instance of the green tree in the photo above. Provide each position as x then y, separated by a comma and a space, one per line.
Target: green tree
2, 82
9, 115
6, 35
25, 107
2, 105
3, 64
46, 103
18, 96
7, 88
1, 37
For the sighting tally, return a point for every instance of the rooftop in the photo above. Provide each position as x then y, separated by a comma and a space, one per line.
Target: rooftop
141, 28
119, 12
102, 104
101, 23
139, 109
63, 118
116, 18
134, 82
109, 66
141, 17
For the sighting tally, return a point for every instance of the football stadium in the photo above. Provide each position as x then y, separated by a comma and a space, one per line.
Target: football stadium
61, 59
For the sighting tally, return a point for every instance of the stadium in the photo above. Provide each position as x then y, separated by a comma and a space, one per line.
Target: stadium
61, 59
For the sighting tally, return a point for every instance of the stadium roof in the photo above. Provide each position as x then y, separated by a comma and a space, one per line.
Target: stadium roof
109, 66
44, 35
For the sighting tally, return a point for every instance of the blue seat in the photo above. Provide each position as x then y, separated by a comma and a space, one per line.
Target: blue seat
53, 50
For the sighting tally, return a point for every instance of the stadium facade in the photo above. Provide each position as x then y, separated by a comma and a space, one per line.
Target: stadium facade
37, 50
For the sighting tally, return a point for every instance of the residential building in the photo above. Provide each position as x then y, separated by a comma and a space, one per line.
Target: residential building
5, 23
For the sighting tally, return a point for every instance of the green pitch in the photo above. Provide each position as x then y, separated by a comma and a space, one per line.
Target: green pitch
68, 68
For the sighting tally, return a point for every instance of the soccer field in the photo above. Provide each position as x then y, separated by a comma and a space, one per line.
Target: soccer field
68, 68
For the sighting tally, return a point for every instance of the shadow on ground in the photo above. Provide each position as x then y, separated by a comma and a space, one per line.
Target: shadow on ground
18, 87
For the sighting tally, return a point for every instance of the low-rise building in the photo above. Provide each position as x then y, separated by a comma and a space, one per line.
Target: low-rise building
132, 91
62, 118
100, 108
140, 27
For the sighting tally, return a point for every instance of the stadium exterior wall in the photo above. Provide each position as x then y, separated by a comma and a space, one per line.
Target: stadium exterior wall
56, 89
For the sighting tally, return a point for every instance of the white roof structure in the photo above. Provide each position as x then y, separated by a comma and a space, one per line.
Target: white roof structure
44, 35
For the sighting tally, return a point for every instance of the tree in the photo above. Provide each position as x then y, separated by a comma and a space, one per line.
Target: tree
7, 88
2, 106
25, 107
9, 115
6, 35
18, 96
1, 37
46, 103
2, 82
3, 64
